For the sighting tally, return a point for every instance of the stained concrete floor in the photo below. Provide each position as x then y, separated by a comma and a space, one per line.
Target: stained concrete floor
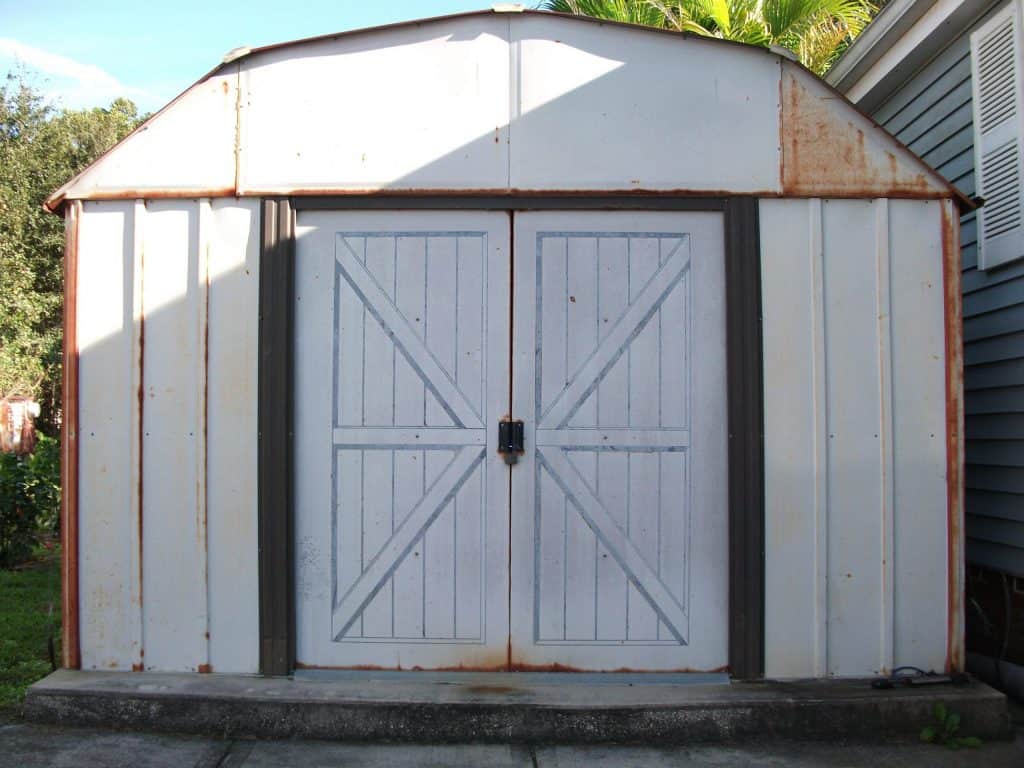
25, 745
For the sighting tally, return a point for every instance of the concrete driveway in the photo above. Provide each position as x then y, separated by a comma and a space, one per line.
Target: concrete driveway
33, 746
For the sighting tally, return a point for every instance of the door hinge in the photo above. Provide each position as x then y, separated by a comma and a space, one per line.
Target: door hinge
510, 440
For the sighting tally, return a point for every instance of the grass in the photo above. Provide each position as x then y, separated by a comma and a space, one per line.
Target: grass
30, 617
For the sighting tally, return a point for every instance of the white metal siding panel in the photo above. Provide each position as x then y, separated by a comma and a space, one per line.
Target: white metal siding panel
174, 588
854, 423
794, 446
592, 114
189, 145
412, 108
854, 436
231, 436
510, 102
919, 429
106, 400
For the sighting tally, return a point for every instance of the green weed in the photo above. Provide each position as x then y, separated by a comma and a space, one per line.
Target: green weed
945, 730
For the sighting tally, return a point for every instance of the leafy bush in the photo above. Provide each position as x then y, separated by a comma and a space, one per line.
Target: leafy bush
29, 499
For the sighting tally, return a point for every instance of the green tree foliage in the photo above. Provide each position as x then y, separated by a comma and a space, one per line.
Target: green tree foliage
29, 500
41, 147
816, 30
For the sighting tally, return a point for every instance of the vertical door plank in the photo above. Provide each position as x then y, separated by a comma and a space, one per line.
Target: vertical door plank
468, 533
348, 527
410, 407
408, 576
643, 363
549, 548
379, 356
613, 411
442, 341
552, 321
581, 543
438, 560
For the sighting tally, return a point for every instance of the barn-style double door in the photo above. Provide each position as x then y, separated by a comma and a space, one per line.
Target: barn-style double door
604, 546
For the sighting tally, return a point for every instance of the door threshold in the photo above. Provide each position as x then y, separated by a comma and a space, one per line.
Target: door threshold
525, 678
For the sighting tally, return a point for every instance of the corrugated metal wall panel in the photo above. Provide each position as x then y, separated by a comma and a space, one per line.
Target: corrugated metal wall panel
173, 571
231, 436
855, 468
931, 113
105, 492
184, 273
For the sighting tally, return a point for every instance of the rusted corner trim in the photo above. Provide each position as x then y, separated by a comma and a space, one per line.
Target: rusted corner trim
72, 657
953, 314
275, 511
745, 385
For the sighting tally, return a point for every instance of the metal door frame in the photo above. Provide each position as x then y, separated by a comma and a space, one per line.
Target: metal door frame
745, 407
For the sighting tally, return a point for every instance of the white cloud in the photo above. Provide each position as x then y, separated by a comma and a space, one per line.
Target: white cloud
72, 83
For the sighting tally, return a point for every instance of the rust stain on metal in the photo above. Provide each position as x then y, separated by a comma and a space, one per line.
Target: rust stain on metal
204, 669
138, 668
954, 438
826, 155
140, 396
69, 446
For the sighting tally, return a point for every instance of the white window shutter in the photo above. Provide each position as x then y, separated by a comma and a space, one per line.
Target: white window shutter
998, 77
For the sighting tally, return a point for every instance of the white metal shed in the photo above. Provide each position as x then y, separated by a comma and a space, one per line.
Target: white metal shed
722, 302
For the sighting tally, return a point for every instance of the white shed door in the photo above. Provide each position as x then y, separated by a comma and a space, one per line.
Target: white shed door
608, 550
619, 511
401, 369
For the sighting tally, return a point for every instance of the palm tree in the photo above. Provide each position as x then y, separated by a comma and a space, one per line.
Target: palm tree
816, 30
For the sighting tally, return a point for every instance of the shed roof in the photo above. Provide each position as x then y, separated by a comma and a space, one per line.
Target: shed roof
508, 103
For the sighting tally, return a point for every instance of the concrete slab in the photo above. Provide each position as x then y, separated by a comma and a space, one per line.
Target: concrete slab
787, 755
40, 746
505, 708
323, 754
33, 746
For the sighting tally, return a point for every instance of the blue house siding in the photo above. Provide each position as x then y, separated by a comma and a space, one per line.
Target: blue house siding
931, 114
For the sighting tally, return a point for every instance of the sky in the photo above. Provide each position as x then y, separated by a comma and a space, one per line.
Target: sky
85, 54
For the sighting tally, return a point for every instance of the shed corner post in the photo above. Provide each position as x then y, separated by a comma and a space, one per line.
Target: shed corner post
745, 384
275, 454
71, 642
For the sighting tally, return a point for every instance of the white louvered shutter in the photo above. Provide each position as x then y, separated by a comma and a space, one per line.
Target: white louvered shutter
996, 67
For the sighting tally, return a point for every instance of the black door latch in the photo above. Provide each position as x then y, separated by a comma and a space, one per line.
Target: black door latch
510, 440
